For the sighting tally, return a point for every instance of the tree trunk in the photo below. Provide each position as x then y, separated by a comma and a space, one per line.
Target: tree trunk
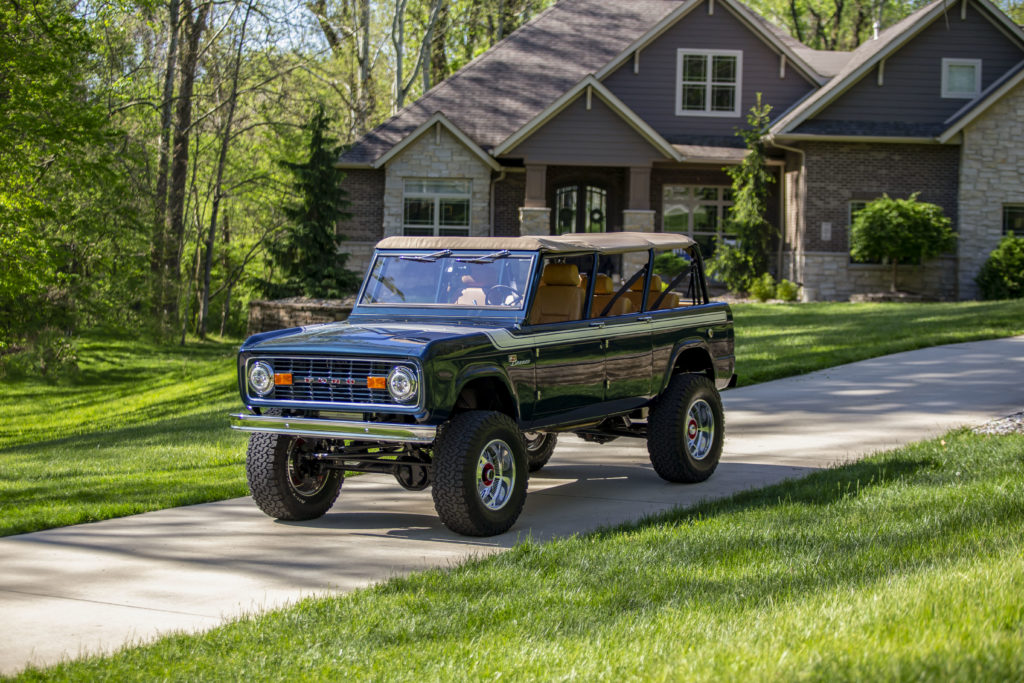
892, 288
194, 26
218, 183
159, 246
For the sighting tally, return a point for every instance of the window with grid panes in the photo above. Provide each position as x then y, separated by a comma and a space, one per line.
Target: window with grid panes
708, 82
436, 206
698, 211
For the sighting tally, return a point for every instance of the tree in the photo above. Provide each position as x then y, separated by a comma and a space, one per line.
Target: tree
738, 266
900, 230
307, 253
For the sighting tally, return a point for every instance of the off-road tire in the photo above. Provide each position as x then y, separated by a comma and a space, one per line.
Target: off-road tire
458, 453
538, 454
667, 441
267, 470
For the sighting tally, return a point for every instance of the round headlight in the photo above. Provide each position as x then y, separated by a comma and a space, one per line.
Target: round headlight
402, 384
261, 378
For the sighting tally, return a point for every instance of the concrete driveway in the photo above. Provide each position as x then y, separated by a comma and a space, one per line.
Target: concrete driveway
95, 587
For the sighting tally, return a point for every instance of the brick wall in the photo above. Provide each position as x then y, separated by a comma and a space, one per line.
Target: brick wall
365, 188
509, 195
840, 172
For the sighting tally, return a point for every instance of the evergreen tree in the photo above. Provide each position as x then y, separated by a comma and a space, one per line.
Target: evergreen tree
307, 257
738, 266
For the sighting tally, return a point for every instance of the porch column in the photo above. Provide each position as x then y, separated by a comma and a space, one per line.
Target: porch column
638, 217
535, 216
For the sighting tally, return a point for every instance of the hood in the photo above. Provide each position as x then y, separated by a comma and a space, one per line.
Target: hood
406, 339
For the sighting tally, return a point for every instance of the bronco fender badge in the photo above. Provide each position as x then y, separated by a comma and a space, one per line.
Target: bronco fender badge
513, 359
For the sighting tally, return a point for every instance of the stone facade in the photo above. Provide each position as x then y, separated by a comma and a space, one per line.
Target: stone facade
534, 221
991, 175
437, 154
278, 315
829, 276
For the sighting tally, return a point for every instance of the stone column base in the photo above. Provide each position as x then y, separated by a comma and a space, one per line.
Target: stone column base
534, 221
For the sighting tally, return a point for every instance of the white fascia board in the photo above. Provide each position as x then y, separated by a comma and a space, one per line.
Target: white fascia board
829, 93
738, 11
1003, 20
977, 108
617, 105
438, 118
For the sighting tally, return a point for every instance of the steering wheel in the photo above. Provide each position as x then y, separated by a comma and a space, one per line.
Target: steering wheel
500, 295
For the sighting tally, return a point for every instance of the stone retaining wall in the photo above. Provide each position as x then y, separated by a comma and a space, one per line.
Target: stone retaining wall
276, 315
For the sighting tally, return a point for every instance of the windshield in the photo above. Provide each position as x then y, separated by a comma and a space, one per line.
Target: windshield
451, 279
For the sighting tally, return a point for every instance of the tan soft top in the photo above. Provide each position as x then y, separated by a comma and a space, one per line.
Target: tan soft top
605, 242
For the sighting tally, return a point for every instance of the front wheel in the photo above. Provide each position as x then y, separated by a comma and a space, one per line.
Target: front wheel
285, 484
686, 430
480, 473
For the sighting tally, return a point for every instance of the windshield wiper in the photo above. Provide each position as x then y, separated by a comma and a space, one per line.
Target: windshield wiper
428, 258
489, 258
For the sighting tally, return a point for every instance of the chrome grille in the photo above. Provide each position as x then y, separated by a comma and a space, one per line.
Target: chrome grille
331, 380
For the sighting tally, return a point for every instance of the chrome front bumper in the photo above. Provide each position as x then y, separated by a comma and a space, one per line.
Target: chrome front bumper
334, 429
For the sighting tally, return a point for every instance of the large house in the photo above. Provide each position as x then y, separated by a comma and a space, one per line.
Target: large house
604, 115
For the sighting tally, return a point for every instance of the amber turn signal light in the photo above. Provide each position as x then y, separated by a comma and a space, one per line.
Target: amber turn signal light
376, 382
282, 378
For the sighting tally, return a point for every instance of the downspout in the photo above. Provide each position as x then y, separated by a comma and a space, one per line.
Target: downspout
782, 205
494, 182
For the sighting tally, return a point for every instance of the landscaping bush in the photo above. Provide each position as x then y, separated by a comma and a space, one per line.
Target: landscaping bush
1002, 276
763, 288
900, 230
787, 290
668, 265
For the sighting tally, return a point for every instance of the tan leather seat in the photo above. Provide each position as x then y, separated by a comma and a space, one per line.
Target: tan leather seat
604, 290
636, 294
560, 298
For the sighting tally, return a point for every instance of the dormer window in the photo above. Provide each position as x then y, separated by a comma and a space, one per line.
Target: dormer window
961, 78
708, 82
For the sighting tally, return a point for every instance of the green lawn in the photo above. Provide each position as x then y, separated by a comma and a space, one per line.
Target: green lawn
904, 566
144, 427
774, 341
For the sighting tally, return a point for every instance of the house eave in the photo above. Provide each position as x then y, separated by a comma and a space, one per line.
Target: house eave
972, 110
810, 137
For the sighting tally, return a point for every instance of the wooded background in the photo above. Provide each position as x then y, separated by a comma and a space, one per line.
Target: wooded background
150, 150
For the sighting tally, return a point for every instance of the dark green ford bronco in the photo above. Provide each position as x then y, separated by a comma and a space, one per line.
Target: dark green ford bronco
465, 357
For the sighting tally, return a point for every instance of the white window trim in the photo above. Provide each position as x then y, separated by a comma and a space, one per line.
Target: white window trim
960, 95
437, 197
738, 54
720, 204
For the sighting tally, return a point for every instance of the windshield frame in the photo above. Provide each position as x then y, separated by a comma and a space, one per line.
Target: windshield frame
456, 254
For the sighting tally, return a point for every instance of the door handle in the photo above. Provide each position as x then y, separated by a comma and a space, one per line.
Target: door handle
646, 319
598, 324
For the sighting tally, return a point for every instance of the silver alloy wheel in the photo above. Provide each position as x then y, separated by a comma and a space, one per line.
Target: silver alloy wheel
700, 429
495, 474
301, 477
534, 440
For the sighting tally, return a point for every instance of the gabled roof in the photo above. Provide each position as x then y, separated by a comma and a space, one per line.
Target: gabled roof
438, 119
613, 102
508, 86
871, 52
774, 36
494, 95
976, 107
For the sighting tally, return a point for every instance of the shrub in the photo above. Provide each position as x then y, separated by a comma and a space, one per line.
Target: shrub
1002, 276
787, 291
733, 267
763, 288
668, 265
900, 230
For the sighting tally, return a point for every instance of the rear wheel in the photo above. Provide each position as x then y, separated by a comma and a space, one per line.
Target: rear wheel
686, 430
284, 483
480, 473
539, 447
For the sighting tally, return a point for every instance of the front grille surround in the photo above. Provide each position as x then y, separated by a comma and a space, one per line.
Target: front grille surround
338, 382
